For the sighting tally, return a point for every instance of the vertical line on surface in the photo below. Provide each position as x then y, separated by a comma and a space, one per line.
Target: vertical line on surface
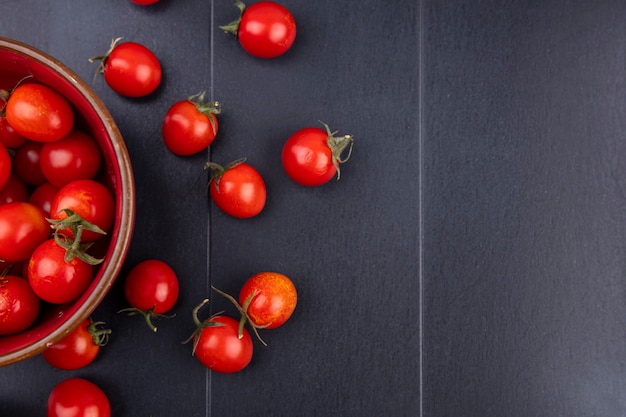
420, 135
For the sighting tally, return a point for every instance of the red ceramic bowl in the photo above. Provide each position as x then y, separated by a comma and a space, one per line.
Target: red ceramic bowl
18, 60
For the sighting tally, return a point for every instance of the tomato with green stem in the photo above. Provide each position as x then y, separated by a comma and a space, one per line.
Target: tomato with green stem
190, 125
311, 156
77, 397
19, 305
237, 188
151, 288
78, 348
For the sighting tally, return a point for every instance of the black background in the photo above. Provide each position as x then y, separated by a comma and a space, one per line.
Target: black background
470, 262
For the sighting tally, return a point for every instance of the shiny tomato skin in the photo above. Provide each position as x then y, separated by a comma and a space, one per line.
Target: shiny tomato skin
274, 299
39, 113
6, 165
26, 163
54, 279
13, 190
74, 157
76, 350
152, 283
307, 158
132, 70
90, 200
267, 29
220, 349
8, 136
23, 227
19, 306
77, 397
240, 191
43, 195
186, 131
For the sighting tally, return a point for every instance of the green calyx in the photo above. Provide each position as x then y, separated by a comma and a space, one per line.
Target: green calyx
208, 108
100, 336
201, 325
243, 310
103, 58
148, 315
338, 145
233, 27
74, 247
219, 170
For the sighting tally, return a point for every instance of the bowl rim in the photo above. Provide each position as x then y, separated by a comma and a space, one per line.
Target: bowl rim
127, 186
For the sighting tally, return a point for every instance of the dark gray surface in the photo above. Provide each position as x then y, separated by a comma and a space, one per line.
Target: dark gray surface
351, 247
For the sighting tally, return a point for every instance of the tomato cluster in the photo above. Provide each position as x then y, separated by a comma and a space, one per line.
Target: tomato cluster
52, 206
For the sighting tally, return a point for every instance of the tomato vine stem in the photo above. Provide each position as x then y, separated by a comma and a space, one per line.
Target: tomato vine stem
243, 309
338, 145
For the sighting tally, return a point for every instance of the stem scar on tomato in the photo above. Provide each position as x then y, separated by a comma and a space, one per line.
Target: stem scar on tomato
148, 315
245, 318
338, 145
201, 325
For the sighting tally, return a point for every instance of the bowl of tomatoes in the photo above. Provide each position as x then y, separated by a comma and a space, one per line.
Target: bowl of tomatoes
67, 201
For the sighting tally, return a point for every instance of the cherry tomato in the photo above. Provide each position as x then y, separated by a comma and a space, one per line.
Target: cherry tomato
271, 298
19, 306
77, 397
190, 125
237, 189
217, 344
311, 156
13, 190
74, 157
8, 136
23, 227
79, 348
39, 113
130, 69
88, 199
265, 29
151, 288
43, 195
26, 163
5, 166
144, 2
54, 278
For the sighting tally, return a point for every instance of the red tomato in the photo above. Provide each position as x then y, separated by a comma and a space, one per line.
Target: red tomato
311, 156
8, 136
190, 125
88, 199
19, 306
13, 190
74, 157
144, 2
219, 347
265, 29
78, 397
237, 189
39, 113
79, 348
43, 195
26, 163
54, 278
269, 299
23, 227
151, 288
5, 165
130, 69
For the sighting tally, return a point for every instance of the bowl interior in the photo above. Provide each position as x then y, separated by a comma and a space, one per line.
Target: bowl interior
18, 60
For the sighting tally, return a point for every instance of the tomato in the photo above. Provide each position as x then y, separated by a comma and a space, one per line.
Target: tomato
78, 348
218, 345
265, 29
190, 125
23, 227
43, 195
39, 113
26, 163
54, 278
269, 299
13, 190
237, 189
88, 199
8, 136
151, 288
19, 306
144, 2
311, 156
77, 397
5, 165
74, 157
130, 69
